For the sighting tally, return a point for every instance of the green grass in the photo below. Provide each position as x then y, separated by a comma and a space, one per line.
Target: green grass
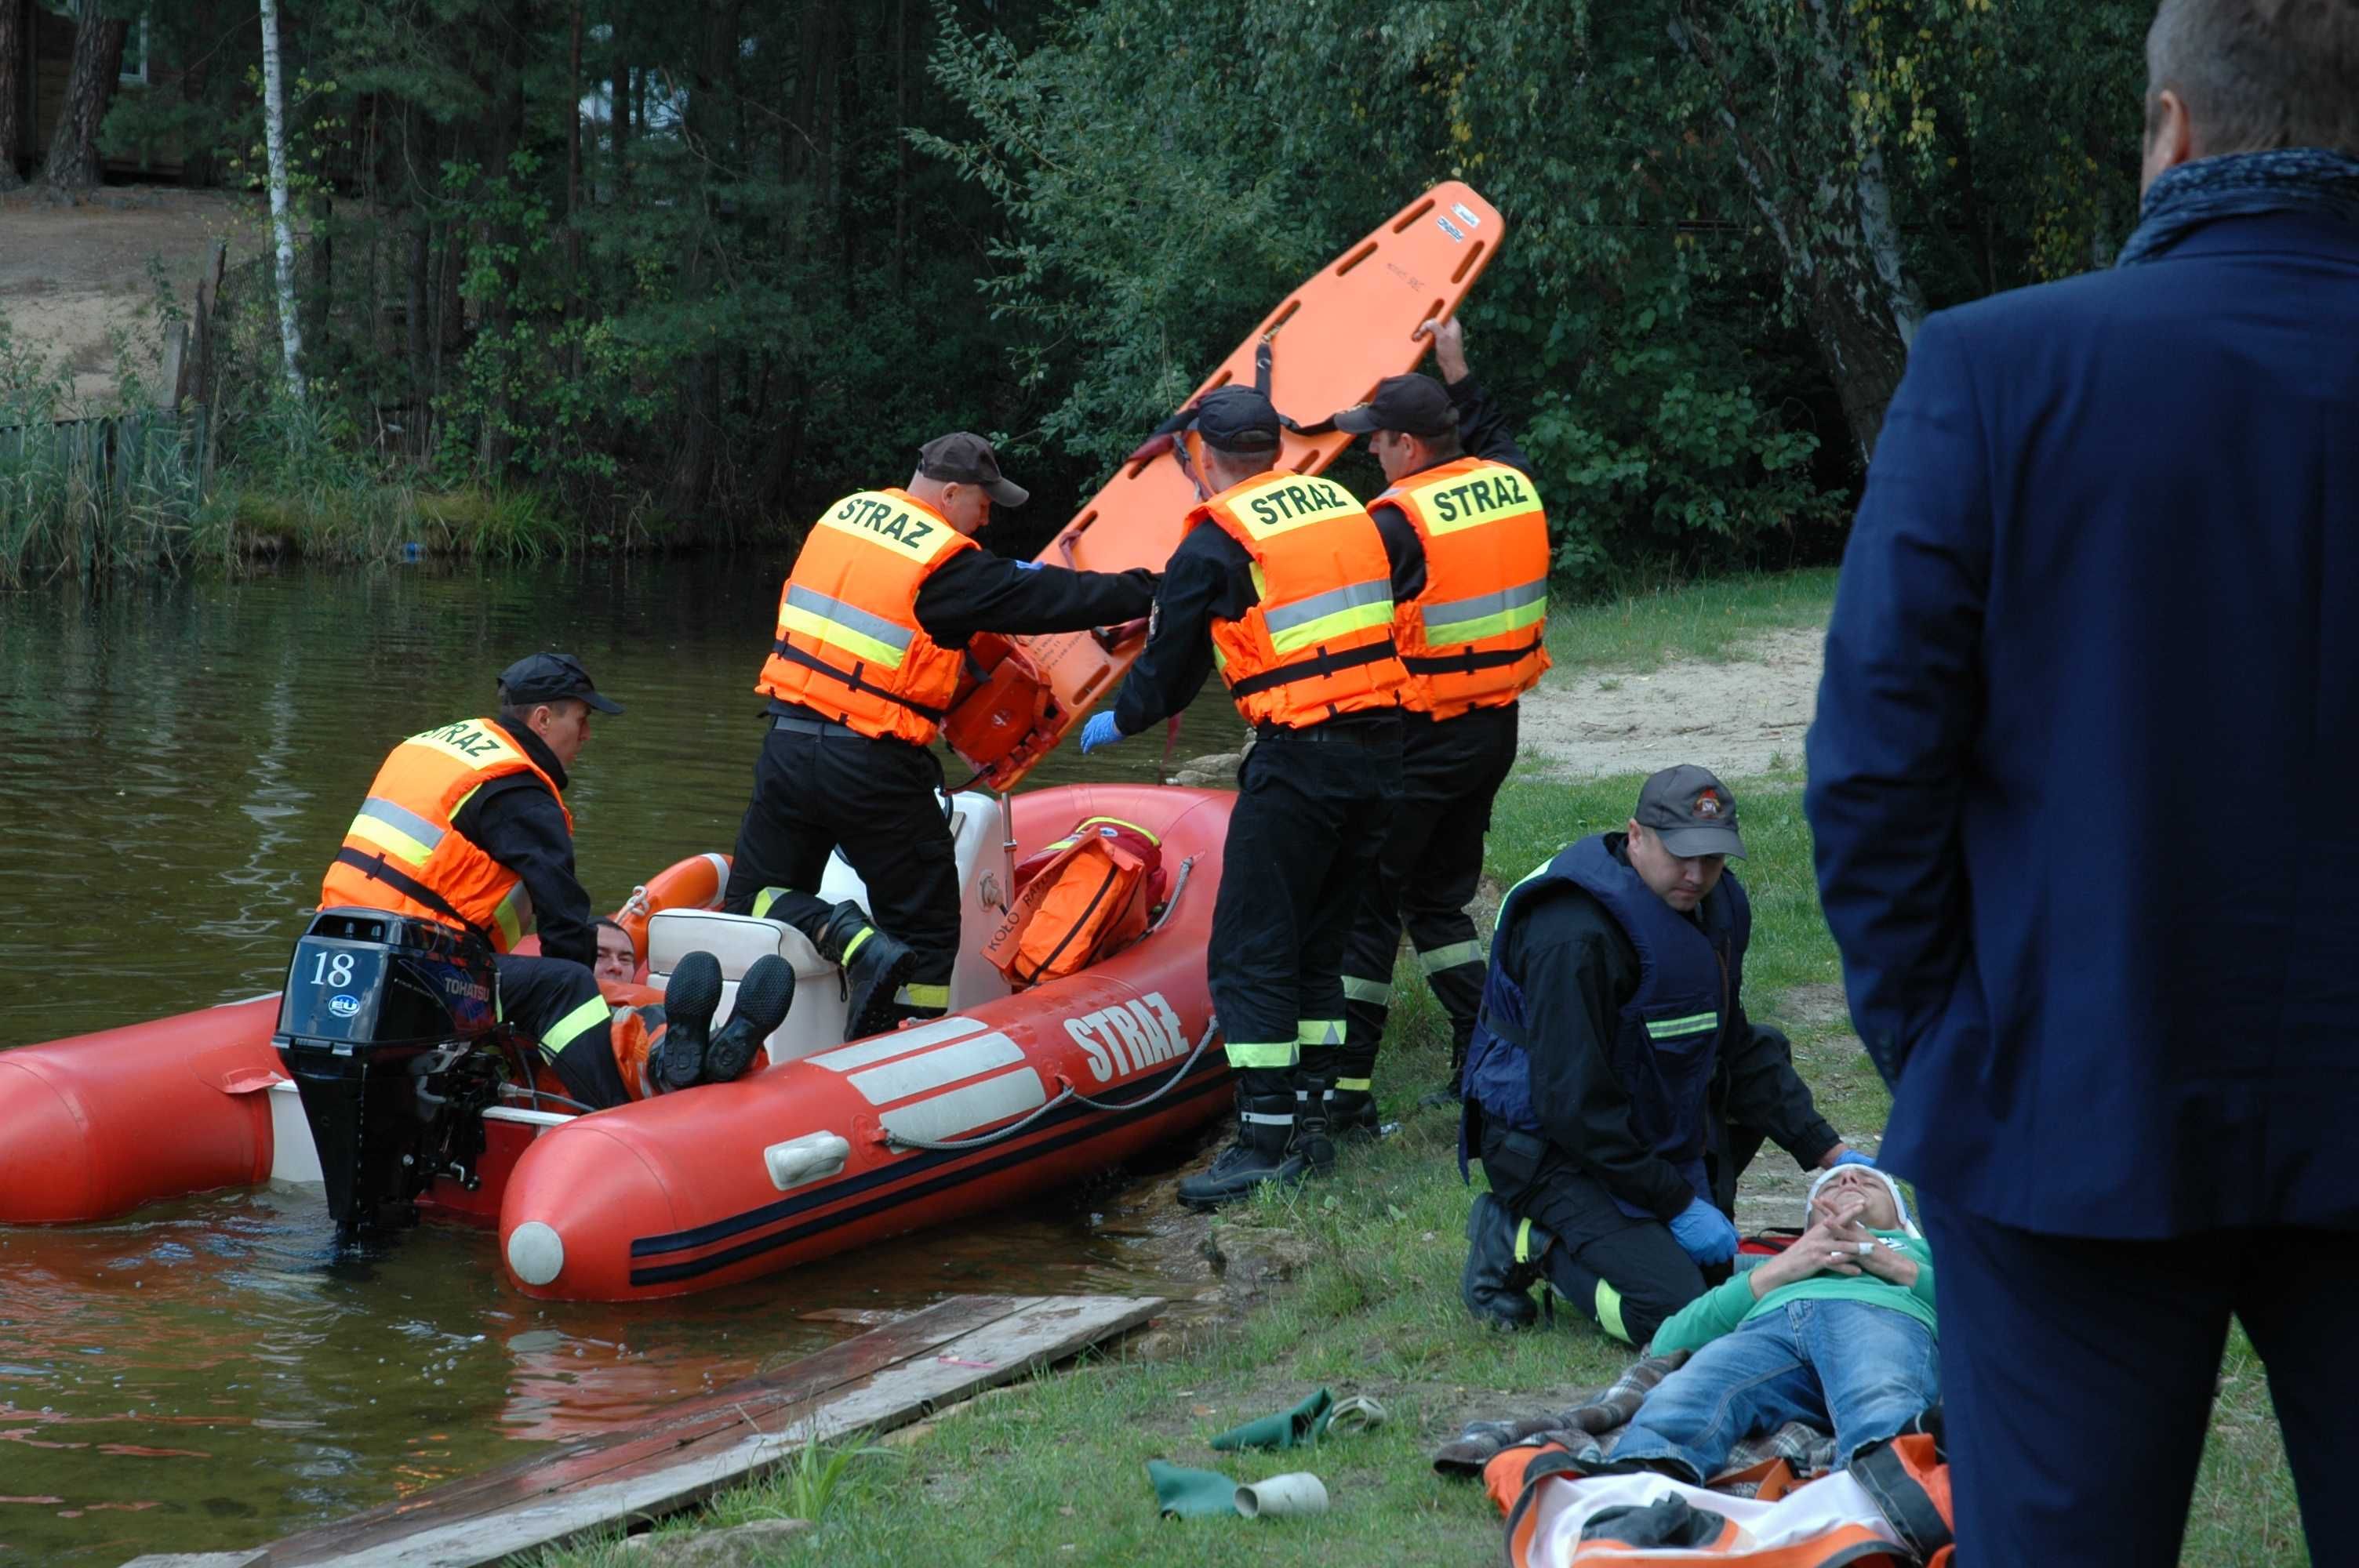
1710, 620
1053, 1470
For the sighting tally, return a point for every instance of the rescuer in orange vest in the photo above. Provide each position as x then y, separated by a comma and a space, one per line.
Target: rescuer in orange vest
1471, 642
873, 622
466, 825
1286, 586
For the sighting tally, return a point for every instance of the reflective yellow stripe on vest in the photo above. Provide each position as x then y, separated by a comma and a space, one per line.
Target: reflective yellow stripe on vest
870, 637
396, 829
1672, 1028
1323, 617
1487, 615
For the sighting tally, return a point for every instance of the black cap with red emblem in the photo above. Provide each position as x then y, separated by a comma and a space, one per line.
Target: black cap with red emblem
1692, 812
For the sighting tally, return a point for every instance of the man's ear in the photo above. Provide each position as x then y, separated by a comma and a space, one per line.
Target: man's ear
2170, 137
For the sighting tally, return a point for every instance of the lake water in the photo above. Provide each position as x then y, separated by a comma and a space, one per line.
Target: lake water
178, 762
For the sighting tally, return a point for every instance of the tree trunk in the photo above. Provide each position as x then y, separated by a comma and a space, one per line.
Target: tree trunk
421, 282
90, 87
507, 98
14, 35
282, 221
573, 289
618, 113
710, 104
196, 75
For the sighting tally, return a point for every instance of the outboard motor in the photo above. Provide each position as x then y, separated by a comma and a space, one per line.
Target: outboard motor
378, 1027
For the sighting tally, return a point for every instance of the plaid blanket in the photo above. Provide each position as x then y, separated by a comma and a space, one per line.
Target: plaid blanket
1588, 1431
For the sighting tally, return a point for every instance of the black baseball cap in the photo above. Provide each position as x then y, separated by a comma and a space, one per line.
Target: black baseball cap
550, 677
1236, 419
1692, 812
965, 458
1413, 404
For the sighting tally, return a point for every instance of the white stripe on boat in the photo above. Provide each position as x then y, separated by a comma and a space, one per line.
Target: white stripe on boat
898, 1043
962, 1110
933, 1069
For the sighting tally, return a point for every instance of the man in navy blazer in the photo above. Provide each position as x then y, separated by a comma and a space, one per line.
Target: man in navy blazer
2085, 784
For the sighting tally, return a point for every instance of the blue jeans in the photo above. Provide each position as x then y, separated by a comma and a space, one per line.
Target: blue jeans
1863, 1372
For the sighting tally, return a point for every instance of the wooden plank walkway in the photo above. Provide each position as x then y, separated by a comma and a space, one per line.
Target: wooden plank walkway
887, 1378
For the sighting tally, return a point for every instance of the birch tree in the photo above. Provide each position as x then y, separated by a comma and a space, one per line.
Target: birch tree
282, 223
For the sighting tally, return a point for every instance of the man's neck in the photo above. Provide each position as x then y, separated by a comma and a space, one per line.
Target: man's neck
535, 748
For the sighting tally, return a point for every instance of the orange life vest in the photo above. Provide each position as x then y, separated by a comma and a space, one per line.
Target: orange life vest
1085, 897
402, 854
1320, 640
1473, 638
849, 645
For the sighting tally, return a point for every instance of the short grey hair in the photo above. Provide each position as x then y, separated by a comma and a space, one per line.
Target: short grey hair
2259, 74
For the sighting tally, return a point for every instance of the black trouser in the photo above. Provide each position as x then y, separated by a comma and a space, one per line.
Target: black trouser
819, 788
2078, 1378
1312, 807
557, 1002
1426, 875
1627, 1275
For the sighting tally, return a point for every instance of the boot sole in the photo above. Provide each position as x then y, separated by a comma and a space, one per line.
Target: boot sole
882, 1012
764, 999
689, 998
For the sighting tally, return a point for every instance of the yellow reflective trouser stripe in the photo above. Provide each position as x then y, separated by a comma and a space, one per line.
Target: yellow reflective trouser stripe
1672, 1028
1261, 1054
923, 996
574, 1026
794, 618
1436, 960
513, 915
1523, 1240
1318, 1032
1355, 1086
389, 838
764, 899
853, 945
1609, 1311
1378, 991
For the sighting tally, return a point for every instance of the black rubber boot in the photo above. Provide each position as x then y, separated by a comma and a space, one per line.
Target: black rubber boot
874, 966
763, 998
1312, 1140
1454, 1091
690, 997
1495, 1286
1351, 1117
1262, 1151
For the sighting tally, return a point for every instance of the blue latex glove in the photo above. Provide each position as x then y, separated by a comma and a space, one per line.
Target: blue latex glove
1853, 1157
1099, 731
1705, 1233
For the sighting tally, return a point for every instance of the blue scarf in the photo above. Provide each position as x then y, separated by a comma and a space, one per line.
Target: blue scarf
2292, 179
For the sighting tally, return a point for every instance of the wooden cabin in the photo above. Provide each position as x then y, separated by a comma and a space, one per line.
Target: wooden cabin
47, 35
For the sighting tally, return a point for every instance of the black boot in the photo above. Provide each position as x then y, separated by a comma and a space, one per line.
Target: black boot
1312, 1139
763, 998
1454, 1091
1495, 1285
690, 997
874, 966
1261, 1153
1351, 1117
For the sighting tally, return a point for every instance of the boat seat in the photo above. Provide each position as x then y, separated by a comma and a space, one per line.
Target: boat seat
815, 1023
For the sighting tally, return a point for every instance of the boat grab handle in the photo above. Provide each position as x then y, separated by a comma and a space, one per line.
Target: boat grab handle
1069, 1093
1178, 885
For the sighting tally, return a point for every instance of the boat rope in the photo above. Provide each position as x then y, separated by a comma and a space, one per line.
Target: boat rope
1171, 901
1069, 1093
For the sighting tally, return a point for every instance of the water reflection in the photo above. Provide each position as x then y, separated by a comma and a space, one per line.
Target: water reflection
179, 761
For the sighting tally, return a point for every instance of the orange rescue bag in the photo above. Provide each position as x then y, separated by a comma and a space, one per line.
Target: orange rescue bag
1083, 898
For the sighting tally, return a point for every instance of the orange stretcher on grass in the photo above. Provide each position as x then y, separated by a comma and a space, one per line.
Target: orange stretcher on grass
1323, 349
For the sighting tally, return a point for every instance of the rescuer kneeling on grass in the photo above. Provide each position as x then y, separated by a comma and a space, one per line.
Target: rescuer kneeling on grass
1285, 584
466, 825
871, 624
1615, 1088
1472, 641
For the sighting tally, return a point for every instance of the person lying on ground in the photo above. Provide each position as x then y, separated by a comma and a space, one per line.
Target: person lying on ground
1838, 1331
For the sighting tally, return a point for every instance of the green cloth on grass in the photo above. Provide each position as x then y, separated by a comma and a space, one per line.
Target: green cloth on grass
1728, 1305
1192, 1494
1298, 1428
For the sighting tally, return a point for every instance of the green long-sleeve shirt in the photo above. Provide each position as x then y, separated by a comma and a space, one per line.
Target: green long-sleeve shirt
1727, 1306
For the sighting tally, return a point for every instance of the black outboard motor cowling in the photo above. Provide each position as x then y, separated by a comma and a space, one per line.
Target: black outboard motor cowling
377, 1027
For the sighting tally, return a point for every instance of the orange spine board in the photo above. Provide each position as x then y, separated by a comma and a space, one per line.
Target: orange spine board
1347, 328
